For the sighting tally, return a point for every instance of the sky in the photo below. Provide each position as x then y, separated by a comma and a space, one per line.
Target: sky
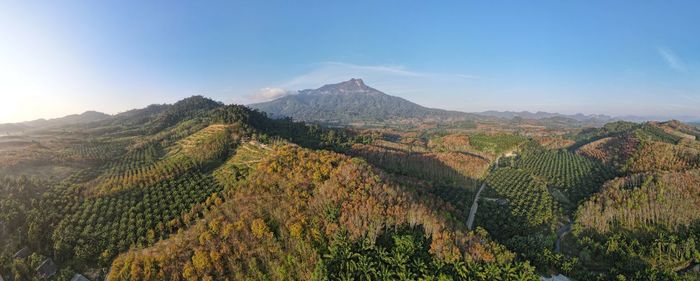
594, 57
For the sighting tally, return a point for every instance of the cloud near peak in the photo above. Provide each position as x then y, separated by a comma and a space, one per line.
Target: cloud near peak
268, 94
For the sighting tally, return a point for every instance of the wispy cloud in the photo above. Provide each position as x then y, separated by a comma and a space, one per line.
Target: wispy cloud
468, 76
333, 72
673, 61
267, 94
389, 69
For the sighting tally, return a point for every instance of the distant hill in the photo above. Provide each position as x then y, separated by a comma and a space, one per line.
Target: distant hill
73, 119
11, 128
347, 102
154, 117
639, 148
547, 115
85, 117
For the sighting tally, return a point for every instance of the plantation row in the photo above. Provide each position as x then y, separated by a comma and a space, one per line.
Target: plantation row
145, 175
133, 159
207, 145
104, 226
93, 151
527, 198
577, 175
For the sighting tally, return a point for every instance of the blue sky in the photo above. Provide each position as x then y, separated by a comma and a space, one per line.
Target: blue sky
609, 57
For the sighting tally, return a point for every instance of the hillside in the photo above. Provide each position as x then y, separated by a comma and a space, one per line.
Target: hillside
348, 102
646, 147
199, 190
641, 220
326, 205
183, 192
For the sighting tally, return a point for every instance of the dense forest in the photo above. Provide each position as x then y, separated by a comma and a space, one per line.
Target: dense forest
199, 190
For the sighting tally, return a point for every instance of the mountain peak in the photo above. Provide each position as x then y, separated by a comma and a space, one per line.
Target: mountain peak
351, 86
356, 82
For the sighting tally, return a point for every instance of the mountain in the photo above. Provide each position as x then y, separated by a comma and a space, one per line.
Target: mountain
73, 119
347, 102
644, 118
353, 101
85, 117
544, 115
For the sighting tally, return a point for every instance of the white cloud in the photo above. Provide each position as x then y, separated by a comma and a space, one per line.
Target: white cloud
672, 59
267, 94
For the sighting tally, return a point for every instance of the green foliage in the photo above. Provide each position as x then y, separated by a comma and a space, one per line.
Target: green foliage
104, 226
578, 176
653, 132
527, 198
496, 144
608, 130
403, 254
317, 195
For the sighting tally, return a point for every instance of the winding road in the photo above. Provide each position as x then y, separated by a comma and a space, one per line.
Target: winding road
475, 205
560, 233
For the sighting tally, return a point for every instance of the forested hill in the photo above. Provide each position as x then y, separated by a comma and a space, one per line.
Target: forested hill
348, 102
198, 190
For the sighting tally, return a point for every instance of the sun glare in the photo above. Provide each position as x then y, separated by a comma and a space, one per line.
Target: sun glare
8, 108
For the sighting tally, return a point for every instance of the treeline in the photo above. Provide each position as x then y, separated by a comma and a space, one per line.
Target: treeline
666, 200
441, 168
642, 222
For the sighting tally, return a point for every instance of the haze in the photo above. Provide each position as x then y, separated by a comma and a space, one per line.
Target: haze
594, 57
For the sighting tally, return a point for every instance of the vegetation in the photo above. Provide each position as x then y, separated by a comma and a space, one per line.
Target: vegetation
644, 220
528, 199
325, 204
199, 190
577, 176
